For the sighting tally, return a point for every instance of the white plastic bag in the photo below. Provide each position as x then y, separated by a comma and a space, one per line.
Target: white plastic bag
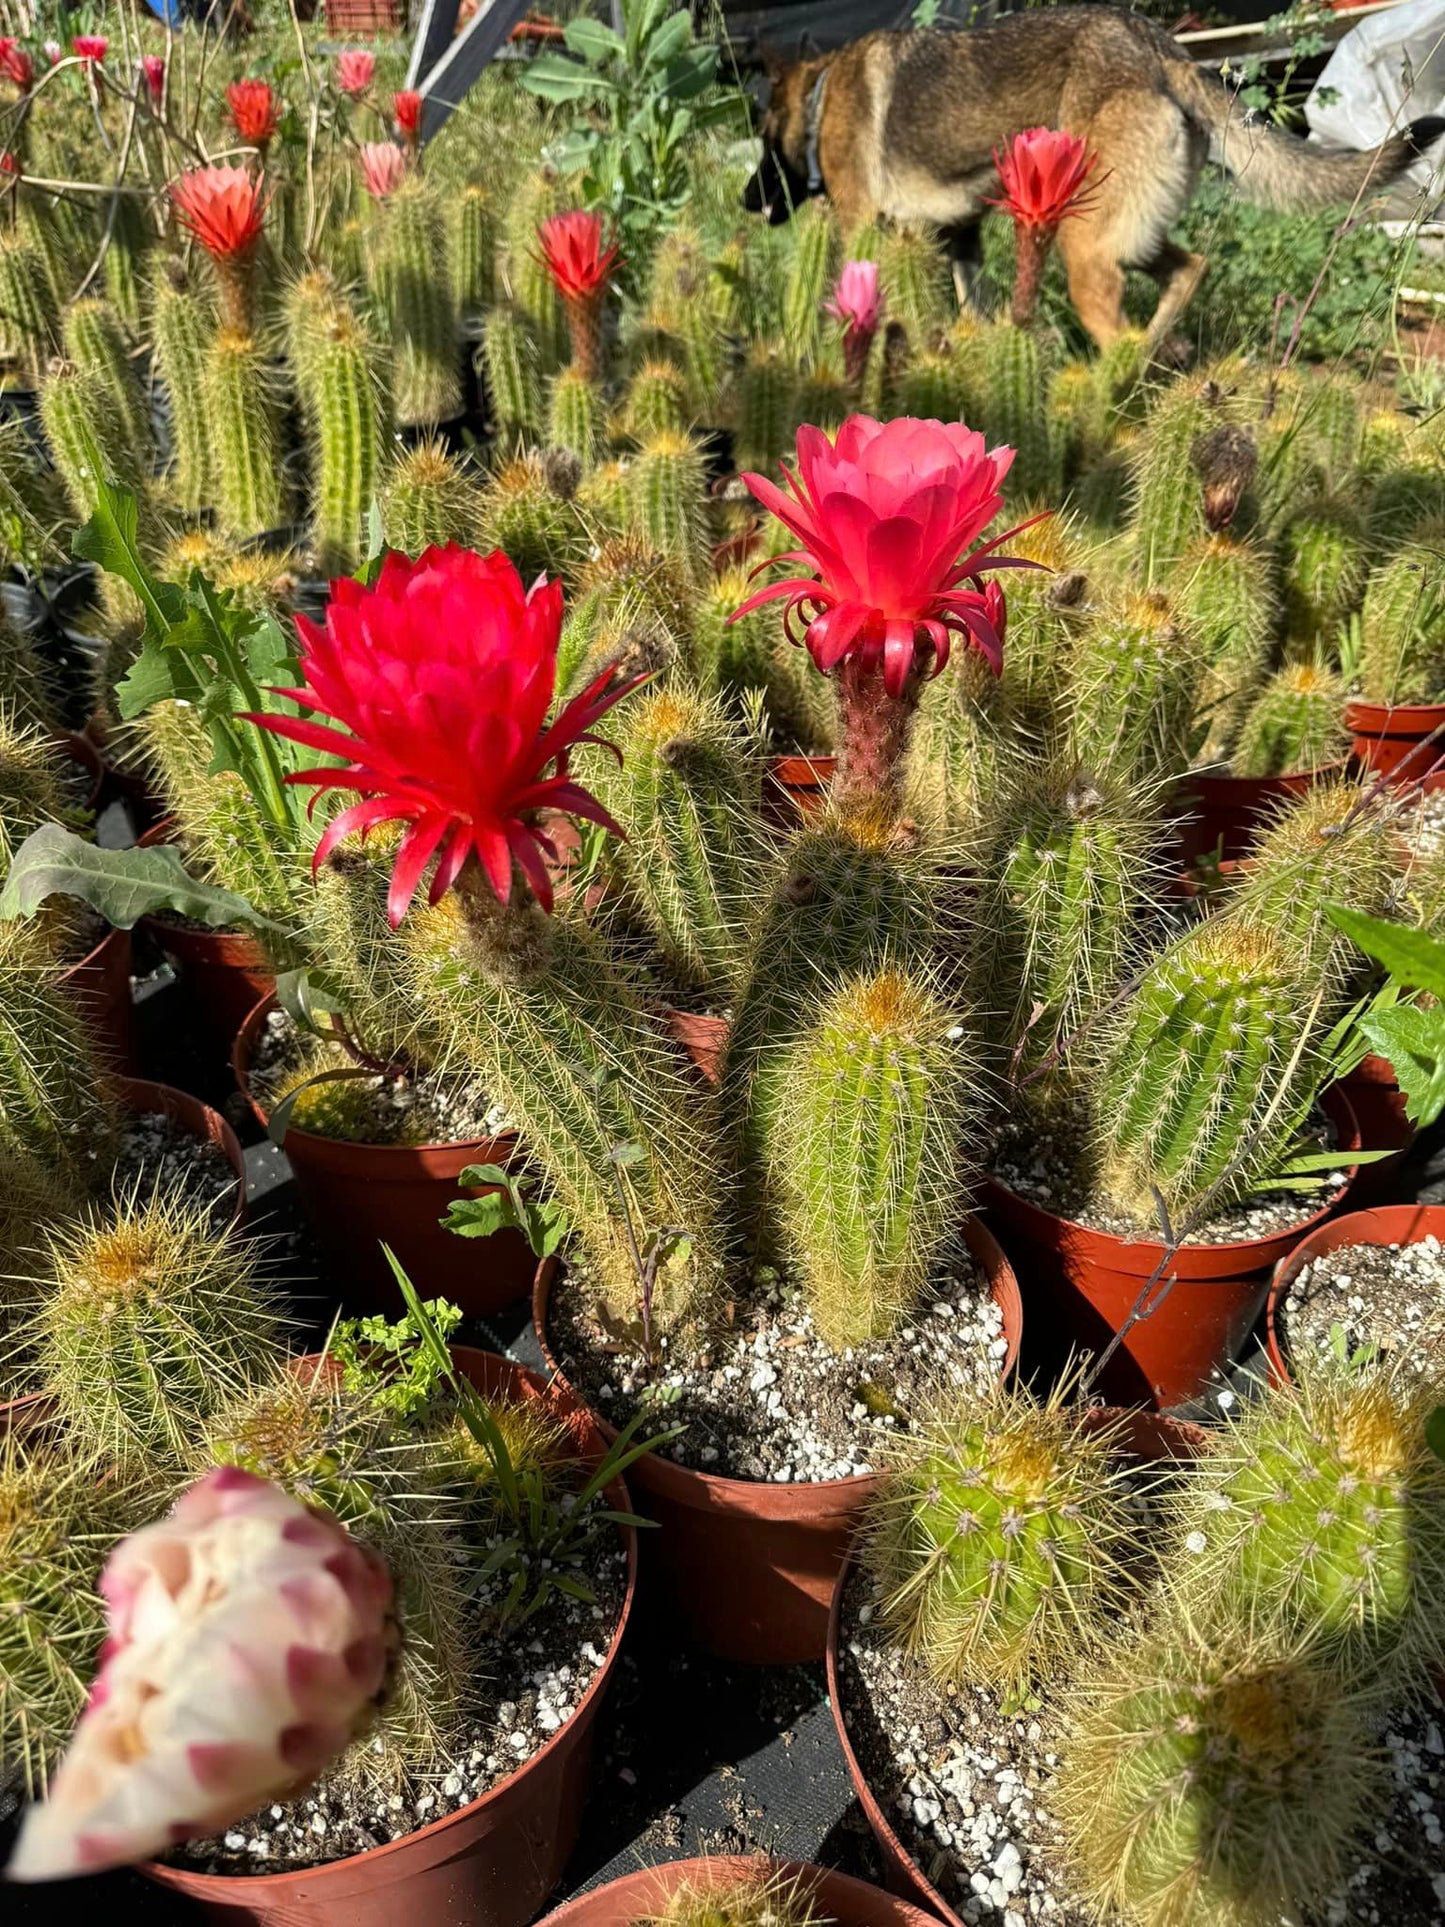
1386, 72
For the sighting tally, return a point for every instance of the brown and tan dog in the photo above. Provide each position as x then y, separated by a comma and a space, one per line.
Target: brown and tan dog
903, 125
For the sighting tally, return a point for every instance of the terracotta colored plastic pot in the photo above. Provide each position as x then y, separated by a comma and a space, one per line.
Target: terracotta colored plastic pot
1225, 813
703, 1038
750, 1566
224, 970
359, 1196
100, 982
82, 752
491, 1863
795, 787
1146, 1436
1387, 1224
1391, 739
644, 1895
140, 1096
1379, 1107
1083, 1284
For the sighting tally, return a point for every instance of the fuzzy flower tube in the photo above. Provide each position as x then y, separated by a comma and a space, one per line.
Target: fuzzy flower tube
225, 209
857, 302
886, 517
249, 1635
573, 254
435, 686
1045, 176
153, 70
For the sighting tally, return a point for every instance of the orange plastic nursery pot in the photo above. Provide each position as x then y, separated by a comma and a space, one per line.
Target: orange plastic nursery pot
359, 1196
139, 1096
493, 1862
644, 1895
1224, 814
1379, 1107
1390, 739
1385, 1224
750, 1566
1146, 1436
704, 1038
224, 970
795, 787
1082, 1285
100, 983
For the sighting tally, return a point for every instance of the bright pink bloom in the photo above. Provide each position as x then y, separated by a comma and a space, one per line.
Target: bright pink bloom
406, 106
89, 46
154, 69
254, 112
248, 1636
54, 52
383, 168
16, 64
885, 517
1044, 173
355, 68
223, 207
442, 674
857, 299
574, 256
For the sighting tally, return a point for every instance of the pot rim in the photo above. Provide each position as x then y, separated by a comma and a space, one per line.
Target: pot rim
1429, 1218
505, 1143
137, 1093
806, 771
1369, 718
1333, 1099
116, 935
723, 1493
1217, 787
212, 1888
822, 1880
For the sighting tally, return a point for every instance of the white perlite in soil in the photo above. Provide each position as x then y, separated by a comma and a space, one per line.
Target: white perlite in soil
771, 1400
1389, 1297
1399, 1871
532, 1688
964, 1785
429, 1109
160, 1157
1423, 823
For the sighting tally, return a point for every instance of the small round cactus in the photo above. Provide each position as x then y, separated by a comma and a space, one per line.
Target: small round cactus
428, 500
762, 1900
656, 402
539, 530
1295, 722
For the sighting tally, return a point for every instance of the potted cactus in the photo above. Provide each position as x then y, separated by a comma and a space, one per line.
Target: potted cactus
753, 1891
1395, 717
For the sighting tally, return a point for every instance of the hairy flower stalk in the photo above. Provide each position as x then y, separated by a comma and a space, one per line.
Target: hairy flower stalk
885, 516
1044, 174
248, 1638
225, 209
573, 254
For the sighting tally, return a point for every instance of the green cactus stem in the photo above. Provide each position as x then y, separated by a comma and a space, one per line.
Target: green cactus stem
1326, 561
181, 333
471, 250
812, 270
1402, 655
29, 311
1014, 412
512, 365
576, 416
657, 402
766, 407
55, 1105
414, 286
348, 412
1223, 591
245, 434
31, 791
1295, 722
1168, 497
667, 499
540, 529
428, 500
1135, 690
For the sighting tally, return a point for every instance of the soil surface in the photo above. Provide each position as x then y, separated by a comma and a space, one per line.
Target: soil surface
159, 1155
1389, 1297
770, 1400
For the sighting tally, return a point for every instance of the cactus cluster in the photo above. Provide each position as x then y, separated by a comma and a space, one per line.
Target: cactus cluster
411, 277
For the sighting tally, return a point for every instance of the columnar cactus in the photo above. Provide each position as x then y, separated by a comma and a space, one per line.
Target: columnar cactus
1135, 687
1208, 1072
766, 411
914, 274
96, 342
1223, 589
1001, 1539
686, 795
81, 421
126, 260
522, 513
428, 500
245, 437
529, 283
348, 397
1326, 560
965, 745
667, 499
29, 311
931, 388
1295, 722
1402, 658
576, 416
1168, 499
657, 402
30, 782
414, 285
1015, 413
817, 246
866, 1154
180, 334
54, 1103
471, 250
148, 1320
512, 364
1214, 1784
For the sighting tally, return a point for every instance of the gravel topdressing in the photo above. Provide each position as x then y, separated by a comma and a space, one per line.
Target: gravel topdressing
428, 1109
1391, 1297
159, 1157
532, 1686
771, 1400
1423, 823
1399, 1874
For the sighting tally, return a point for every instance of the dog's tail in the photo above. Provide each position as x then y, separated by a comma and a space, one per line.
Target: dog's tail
1278, 169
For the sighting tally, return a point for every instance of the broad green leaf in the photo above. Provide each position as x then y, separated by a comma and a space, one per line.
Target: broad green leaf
480, 1217
121, 885
479, 1174
591, 41
691, 73
109, 540
547, 1227
1406, 952
1414, 1041
158, 675
669, 41
556, 78
305, 1002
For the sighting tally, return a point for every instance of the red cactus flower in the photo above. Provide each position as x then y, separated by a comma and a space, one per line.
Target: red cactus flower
1044, 173
223, 207
886, 516
383, 168
406, 106
10, 166
154, 69
16, 64
355, 70
440, 677
90, 47
255, 112
574, 256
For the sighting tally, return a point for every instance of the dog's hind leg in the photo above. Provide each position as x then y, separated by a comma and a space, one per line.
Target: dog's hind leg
1178, 273
965, 258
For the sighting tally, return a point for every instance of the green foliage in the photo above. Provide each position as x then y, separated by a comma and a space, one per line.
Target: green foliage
507, 1207
1000, 1540
412, 282
1410, 1036
245, 435
866, 1151
428, 500
148, 1320
383, 1358
1214, 1784
1295, 722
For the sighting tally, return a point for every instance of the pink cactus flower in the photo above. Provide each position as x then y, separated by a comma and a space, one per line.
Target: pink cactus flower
383, 168
154, 69
858, 303
90, 47
248, 1636
1045, 175
54, 52
355, 70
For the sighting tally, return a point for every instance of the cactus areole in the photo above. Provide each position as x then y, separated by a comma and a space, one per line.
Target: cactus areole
435, 684
885, 515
